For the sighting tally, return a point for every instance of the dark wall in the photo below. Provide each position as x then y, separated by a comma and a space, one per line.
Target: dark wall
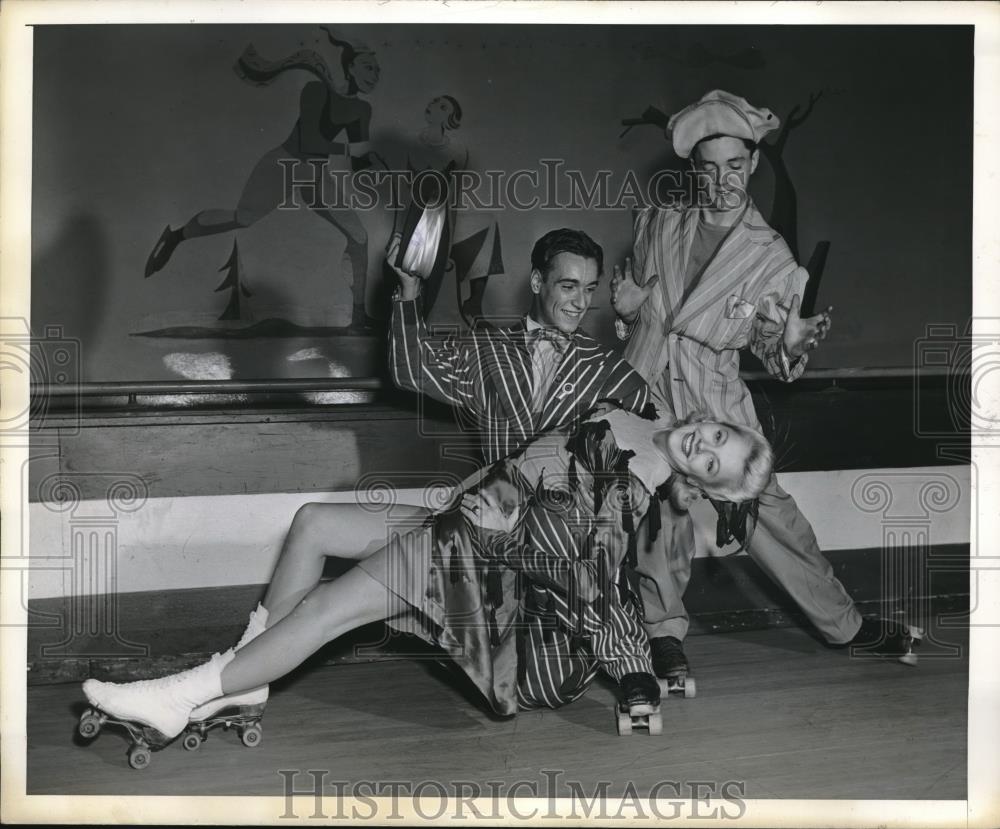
136, 127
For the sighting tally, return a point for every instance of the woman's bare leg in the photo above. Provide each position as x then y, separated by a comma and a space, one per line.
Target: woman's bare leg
239, 677
320, 530
331, 609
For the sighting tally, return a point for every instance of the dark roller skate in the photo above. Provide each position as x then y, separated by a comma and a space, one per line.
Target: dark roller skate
639, 704
887, 638
671, 666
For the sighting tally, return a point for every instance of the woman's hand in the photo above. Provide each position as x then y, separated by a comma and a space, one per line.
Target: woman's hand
409, 285
487, 514
683, 494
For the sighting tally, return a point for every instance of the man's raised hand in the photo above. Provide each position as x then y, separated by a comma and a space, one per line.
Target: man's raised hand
802, 335
409, 285
627, 295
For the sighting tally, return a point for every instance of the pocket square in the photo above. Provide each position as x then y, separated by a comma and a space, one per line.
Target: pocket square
739, 309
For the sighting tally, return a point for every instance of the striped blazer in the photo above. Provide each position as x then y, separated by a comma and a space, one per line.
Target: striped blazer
486, 375
741, 301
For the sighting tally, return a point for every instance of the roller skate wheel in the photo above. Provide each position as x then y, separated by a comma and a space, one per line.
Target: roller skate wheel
690, 688
624, 724
655, 724
138, 757
191, 742
252, 735
90, 725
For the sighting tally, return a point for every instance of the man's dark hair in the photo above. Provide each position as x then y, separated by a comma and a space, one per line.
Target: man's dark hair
565, 240
750, 145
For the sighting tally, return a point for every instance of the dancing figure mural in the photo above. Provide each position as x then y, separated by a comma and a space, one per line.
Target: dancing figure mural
425, 236
332, 127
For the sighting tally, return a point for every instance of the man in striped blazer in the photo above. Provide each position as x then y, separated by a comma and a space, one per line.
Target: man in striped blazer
498, 375
706, 282
515, 383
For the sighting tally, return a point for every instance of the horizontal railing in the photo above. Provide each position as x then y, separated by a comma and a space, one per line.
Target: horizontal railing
222, 387
300, 385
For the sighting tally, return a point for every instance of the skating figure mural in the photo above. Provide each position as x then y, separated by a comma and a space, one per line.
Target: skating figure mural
333, 125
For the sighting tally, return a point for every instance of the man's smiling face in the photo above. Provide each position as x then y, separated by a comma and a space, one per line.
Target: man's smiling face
565, 294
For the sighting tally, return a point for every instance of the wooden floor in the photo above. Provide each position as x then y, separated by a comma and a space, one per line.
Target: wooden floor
776, 711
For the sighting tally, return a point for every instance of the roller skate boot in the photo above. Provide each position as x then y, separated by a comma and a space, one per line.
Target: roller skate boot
153, 711
671, 666
639, 704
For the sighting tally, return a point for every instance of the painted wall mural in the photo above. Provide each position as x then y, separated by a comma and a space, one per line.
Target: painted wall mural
331, 139
427, 226
334, 125
193, 217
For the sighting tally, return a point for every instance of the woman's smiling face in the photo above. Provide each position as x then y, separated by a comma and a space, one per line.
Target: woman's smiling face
711, 454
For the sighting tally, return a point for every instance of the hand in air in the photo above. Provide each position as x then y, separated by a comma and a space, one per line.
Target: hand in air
627, 295
803, 335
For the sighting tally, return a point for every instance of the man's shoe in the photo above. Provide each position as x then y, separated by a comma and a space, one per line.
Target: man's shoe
886, 638
668, 657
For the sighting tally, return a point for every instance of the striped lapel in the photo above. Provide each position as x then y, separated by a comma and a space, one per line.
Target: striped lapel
563, 389
507, 371
679, 240
576, 381
726, 270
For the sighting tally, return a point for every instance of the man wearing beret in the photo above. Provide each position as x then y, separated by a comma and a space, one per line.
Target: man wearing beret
706, 281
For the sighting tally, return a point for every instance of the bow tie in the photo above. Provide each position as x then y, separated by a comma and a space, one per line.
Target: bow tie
559, 339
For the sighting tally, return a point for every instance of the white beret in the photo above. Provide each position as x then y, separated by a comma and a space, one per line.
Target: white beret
719, 113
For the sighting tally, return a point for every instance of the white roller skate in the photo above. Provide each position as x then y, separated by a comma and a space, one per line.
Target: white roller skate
242, 711
153, 711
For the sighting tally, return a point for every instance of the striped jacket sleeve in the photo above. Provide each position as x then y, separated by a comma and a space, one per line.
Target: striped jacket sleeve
767, 332
562, 571
439, 367
626, 386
